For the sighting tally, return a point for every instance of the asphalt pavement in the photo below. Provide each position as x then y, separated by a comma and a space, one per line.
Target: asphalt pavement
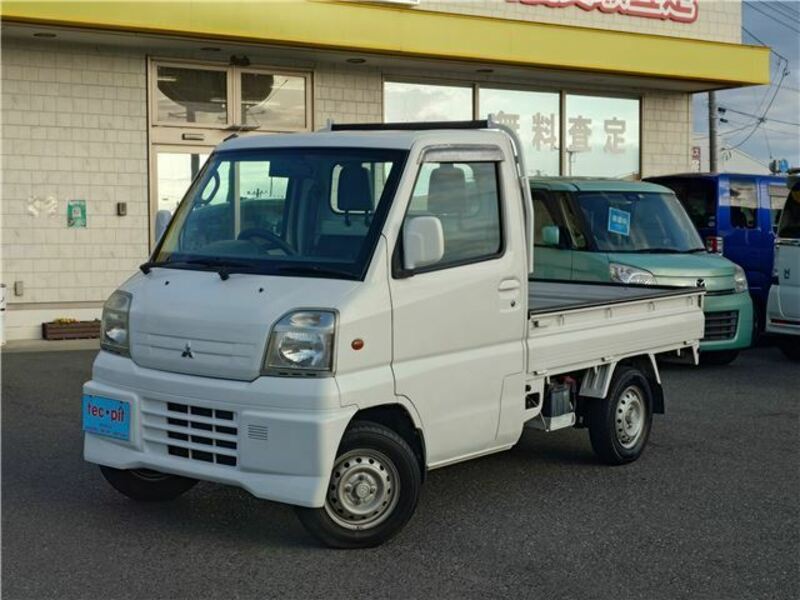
709, 511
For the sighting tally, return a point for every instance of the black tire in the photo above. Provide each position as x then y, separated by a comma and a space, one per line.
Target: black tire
606, 415
145, 485
361, 443
719, 358
790, 346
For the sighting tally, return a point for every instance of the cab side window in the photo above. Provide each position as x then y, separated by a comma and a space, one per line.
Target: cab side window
466, 199
744, 205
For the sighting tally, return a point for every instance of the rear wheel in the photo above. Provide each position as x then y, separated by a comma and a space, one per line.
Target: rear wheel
146, 485
373, 490
719, 358
619, 425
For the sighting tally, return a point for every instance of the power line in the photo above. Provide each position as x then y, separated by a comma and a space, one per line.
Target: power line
781, 8
769, 16
763, 43
747, 114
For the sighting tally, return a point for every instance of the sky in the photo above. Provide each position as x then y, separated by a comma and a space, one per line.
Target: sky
777, 25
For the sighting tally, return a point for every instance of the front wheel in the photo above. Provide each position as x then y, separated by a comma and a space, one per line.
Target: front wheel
146, 485
373, 490
619, 425
719, 358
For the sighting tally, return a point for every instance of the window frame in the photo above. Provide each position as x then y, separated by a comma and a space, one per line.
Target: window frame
400, 272
152, 90
233, 95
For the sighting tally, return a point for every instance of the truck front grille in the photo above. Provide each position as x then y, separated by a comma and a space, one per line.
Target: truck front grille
721, 325
193, 432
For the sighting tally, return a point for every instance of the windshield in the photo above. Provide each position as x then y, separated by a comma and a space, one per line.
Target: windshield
789, 226
638, 222
284, 211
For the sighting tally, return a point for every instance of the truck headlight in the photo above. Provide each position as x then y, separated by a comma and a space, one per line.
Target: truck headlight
739, 280
627, 274
301, 343
114, 332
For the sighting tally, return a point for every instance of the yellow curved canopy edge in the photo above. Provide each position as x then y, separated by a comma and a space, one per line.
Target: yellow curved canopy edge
385, 29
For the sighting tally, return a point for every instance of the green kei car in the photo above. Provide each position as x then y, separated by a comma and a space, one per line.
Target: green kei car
637, 232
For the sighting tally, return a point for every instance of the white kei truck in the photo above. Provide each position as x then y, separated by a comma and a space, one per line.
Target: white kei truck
330, 315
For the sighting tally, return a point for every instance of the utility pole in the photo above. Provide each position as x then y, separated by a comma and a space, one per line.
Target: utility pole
712, 132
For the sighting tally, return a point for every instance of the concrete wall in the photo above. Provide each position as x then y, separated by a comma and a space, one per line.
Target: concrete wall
718, 20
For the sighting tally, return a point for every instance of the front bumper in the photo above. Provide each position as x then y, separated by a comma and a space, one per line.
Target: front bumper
232, 432
742, 305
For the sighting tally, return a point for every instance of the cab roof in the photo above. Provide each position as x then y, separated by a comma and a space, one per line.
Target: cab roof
596, 184
384, 138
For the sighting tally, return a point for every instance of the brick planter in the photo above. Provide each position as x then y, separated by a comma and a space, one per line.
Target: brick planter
71, 331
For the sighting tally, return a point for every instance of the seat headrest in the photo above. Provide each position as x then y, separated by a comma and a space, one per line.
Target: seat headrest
355, 193
447, 190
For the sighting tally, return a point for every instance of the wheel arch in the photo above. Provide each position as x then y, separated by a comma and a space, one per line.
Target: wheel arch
399, 419
647, 364
595, 383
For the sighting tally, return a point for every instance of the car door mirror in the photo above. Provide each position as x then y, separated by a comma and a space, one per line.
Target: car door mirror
423, 242
551, 235
162, 220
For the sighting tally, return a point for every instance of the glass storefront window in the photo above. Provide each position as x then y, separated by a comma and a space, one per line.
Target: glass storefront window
535, 116
602, 137
188, 95
273, 101
404, 102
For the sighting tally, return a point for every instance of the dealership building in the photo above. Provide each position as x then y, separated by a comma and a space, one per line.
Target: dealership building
110, 108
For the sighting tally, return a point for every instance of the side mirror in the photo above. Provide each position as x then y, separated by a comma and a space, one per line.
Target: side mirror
551, 235
423, 242
163, 218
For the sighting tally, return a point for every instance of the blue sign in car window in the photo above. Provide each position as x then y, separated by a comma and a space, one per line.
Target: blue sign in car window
619, 221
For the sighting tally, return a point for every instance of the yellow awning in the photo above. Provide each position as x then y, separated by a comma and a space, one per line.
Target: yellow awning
355, 26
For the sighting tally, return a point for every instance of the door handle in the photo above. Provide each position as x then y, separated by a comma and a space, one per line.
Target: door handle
508, 285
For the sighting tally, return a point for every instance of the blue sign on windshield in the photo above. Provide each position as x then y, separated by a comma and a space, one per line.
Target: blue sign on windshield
619, 221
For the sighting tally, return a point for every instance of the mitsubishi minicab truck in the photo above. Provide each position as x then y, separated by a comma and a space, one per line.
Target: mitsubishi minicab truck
330, 315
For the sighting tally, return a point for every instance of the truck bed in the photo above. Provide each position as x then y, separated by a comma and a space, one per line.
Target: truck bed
578, 325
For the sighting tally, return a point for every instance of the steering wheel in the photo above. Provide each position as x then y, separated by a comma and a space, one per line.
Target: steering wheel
272, 240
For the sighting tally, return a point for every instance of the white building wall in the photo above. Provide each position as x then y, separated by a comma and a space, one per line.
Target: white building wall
74, 127
666, 133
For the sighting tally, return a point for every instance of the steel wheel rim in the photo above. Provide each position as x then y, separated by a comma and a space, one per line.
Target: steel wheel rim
363, 491
629, 416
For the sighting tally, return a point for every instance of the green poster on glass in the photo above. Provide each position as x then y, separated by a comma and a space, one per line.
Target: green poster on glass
76, 213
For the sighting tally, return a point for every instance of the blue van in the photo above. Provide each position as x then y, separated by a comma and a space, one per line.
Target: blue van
736, 215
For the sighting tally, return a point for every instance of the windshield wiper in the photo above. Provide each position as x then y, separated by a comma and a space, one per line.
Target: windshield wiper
660, 251
222, 266
315, 270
